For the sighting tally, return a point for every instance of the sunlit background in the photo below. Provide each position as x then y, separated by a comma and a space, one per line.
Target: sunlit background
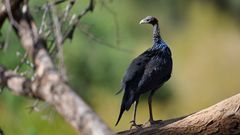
204, 37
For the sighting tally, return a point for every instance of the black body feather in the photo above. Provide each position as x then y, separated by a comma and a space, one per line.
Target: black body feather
147, 72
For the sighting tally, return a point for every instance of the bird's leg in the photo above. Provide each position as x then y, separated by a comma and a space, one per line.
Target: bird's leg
134, 116
150, 107
152, 122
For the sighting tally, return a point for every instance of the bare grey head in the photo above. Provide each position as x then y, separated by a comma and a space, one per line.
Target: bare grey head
149, 20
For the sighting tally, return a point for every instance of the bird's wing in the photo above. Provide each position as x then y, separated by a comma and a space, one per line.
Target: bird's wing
157, 71
136, 68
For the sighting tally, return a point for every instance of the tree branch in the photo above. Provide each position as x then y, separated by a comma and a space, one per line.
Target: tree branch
222, 118
14, 4
69, 32
48, 84
18, 84
51, 89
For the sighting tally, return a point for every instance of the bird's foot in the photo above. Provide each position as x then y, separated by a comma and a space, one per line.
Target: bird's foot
153, 122
137, 126
156, 122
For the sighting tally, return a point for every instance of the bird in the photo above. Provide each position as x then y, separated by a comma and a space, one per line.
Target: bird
146, 73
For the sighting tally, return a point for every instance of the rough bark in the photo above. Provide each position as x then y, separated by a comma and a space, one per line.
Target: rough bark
222, 118
52, 89
48, 84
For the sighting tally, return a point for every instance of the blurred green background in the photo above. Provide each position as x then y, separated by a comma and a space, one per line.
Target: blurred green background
204, 39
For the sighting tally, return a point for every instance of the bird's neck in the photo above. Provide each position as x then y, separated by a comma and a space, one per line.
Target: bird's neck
157, 40
156, 34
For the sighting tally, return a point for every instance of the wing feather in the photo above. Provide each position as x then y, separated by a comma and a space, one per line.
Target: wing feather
157, 71
136, 68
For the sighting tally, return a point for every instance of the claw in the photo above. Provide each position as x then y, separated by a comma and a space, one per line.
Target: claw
137, 126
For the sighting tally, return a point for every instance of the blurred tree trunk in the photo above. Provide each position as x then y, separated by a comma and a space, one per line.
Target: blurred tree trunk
48, 84
222, 118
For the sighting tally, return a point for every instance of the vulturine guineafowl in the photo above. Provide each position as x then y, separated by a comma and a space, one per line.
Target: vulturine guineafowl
148, 72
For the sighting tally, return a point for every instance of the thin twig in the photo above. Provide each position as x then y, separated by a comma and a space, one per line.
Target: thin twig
43, 22
69, 32
22, 61
115, 18
53, 3
34, 106
58, 42
92, 37
57, 2
68, 8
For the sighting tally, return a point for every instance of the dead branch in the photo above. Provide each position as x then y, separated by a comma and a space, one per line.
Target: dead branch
48, 85
222, 118
75, 21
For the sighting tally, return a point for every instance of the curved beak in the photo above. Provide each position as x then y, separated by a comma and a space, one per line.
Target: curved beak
142, 22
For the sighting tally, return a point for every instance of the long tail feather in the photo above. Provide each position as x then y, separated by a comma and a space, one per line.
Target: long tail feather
120, 115
127, 101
